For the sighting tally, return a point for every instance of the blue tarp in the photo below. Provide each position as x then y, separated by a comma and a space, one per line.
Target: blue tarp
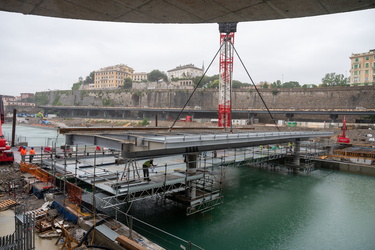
67, 215
38, 193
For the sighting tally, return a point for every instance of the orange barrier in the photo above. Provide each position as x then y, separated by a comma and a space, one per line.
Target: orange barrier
74, 192
36, 171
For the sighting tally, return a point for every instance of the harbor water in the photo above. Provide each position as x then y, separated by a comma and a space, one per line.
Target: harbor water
325, 209
34, 136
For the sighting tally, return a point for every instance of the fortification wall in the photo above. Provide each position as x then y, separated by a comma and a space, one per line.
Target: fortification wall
322, 98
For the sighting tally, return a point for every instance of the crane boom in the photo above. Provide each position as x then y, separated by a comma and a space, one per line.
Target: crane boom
342, 138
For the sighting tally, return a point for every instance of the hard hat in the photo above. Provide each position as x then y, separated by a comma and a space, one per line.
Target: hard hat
32, 148
24, 146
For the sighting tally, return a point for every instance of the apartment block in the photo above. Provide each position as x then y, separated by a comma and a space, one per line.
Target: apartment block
362, 71
112, 76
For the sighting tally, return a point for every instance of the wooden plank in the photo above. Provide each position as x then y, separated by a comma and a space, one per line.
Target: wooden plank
128, 243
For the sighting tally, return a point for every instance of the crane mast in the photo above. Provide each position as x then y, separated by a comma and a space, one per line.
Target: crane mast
227, 31
6, 154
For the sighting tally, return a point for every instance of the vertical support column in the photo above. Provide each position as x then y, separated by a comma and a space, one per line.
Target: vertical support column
251, 118
191, 168
191, 162
297, 149
14, 127
227, 31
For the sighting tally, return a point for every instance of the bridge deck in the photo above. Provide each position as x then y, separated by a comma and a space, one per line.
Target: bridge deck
146, 144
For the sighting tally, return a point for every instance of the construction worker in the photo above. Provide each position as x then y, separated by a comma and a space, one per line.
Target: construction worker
290, 146
145, 167
23, 153
32, 154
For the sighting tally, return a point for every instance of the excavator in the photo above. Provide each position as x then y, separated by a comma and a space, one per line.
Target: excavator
342, 138
6, 154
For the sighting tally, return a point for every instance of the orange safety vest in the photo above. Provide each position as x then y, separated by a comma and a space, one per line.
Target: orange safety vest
32, 152
23, 151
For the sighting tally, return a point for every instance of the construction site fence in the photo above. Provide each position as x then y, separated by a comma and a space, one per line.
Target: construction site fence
73, 192
23, 237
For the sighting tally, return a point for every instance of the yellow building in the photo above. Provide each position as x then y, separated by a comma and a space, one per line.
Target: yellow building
362, 69
112, 76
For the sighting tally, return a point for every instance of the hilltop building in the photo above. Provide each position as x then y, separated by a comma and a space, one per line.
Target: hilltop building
181, 76
362, 70
188, 71
112, 76
139, 77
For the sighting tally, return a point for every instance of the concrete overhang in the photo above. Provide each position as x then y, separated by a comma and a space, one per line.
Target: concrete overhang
182, 11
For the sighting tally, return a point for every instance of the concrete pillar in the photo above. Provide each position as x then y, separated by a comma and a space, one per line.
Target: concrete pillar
289, 116
251, 118
88, 113
191, 162
333, 117
297, 149
191, 168
123, 114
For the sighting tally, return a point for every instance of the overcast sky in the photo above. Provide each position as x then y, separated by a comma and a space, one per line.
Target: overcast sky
41, 53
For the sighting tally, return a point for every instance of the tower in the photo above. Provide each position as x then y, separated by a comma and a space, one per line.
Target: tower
225, 72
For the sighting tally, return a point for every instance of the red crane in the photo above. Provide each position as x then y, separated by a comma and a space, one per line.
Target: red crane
225, 72
342, 138
6, 154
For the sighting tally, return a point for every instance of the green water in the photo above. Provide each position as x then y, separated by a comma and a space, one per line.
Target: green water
265, 210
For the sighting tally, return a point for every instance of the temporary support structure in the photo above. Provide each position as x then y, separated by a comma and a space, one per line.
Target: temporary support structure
225, 72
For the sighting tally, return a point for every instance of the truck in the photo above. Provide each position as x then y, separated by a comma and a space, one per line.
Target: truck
6, 153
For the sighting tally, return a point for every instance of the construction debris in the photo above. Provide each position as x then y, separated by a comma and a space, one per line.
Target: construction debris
4, 205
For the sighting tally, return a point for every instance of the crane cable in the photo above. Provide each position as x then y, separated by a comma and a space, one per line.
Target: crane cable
247, 72
251, 79
195, 88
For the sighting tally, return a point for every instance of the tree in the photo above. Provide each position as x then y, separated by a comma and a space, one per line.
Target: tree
309, 86
157, 75
214, 84
276, 84
127, 83
90, 78
291, 84
331, 80
78, 84
265, 85
144, 122
204, 81
238, 84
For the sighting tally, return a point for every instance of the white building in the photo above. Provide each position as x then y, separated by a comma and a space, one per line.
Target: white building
188, 71
139, 77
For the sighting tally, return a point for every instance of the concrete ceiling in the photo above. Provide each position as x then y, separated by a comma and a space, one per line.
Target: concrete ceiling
182, 11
